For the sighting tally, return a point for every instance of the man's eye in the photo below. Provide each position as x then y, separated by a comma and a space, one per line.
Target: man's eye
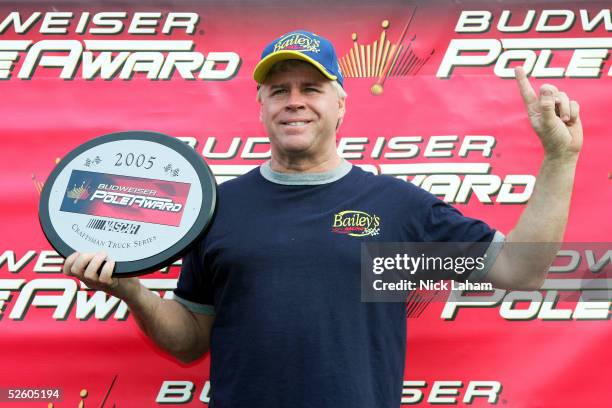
310, 89
278, 92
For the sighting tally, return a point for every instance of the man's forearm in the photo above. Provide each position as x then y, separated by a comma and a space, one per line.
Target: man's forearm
170, 325
531, 246
545, 216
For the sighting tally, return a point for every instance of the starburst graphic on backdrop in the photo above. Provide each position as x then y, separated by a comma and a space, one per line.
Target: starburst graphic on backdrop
83, 394
38, 185
383, 58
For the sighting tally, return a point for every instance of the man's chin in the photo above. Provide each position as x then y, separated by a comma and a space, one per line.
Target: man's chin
295, 149
295, 144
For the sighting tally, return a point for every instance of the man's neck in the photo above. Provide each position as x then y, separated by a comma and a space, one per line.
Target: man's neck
288, 164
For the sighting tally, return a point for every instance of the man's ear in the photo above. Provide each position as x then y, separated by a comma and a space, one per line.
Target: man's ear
259, 101
341, 111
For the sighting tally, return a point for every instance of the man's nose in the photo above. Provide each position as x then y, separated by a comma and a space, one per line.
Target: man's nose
295, 100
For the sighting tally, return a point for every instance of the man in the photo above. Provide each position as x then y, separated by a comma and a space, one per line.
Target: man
274, 290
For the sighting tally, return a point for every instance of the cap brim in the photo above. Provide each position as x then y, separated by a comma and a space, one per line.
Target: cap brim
263, 67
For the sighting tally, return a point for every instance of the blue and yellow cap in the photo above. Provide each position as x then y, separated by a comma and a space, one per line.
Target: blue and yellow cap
300, 45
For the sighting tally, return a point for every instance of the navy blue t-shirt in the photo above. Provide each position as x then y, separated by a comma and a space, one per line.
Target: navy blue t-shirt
282, 277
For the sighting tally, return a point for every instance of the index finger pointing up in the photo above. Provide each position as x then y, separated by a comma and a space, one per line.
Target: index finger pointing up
527, 92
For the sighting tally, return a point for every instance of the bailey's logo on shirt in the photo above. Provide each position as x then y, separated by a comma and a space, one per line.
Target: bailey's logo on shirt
356, 223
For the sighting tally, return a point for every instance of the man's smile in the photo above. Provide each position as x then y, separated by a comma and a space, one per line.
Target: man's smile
295, 122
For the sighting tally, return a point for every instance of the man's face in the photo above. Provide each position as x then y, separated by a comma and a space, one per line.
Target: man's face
300, 110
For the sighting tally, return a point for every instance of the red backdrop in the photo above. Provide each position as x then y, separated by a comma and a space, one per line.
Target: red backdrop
469, 121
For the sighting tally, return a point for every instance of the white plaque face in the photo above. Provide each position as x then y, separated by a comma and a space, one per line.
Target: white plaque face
142, 197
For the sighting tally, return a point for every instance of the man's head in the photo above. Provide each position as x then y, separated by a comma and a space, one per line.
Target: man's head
300, 93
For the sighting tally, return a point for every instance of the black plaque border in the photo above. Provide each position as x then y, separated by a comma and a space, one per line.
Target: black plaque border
169, 255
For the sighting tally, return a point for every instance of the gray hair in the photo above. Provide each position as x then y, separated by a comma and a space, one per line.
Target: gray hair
286, 64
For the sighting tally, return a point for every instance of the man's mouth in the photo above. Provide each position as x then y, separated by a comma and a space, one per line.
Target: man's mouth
295, 122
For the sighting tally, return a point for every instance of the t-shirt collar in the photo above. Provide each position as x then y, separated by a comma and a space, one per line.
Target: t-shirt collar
308, 179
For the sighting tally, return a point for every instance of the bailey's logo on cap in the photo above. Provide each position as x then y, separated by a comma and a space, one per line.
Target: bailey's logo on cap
300, 45
297, 42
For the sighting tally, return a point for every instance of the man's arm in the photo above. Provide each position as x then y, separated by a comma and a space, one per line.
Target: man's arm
175, 329
532, 245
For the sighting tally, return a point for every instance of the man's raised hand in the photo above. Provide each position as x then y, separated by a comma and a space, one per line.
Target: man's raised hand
554, 117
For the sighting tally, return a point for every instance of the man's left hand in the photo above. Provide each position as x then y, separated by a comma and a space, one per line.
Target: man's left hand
554, 117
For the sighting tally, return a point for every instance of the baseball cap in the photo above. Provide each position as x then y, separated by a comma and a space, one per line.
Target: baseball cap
300, 45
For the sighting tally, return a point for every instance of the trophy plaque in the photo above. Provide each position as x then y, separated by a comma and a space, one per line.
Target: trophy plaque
143, 197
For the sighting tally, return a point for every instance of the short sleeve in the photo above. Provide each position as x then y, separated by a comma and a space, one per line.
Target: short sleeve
444, 223
194, 288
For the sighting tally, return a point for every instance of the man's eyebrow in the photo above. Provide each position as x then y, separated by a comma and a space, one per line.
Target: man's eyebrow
303, 85
279, 86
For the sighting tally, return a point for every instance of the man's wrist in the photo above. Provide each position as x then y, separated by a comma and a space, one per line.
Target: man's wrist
562, 159
127, 289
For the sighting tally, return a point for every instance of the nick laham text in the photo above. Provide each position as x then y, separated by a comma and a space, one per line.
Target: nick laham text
431, 284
